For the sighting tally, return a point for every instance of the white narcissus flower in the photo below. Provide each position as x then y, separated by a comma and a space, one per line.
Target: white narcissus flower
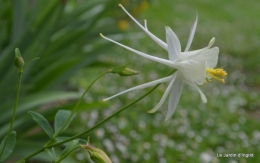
193, 67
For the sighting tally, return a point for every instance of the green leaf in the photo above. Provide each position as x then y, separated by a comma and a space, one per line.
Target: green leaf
21, 161
59, 139
51, 153
42, 122
9, 146
60, 119
70, 147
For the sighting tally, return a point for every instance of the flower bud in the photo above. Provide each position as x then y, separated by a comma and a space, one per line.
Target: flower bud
18, 60
96, 154
124, 71
128, 72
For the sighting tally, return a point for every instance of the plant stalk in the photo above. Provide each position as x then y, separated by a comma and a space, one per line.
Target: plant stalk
14, 110
75, 108
94, 127
98, 124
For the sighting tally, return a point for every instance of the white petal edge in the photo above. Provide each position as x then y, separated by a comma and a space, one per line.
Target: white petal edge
174, 98
156, 39
146, 85
194, 53
174, 45
210, 55
166, 93
160, 60
192, 33
211, 42
194, 86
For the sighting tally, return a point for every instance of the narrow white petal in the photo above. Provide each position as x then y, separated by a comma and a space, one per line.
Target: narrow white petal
194, 53
174, 45
211, 42
193, 85
146, 85
192, 32
160, 60
174, 98
166, 93
190, 54
156, 39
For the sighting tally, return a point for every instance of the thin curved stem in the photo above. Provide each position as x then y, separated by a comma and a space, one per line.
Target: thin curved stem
63, 157
94, 127
14, 111
98, 124
75, 108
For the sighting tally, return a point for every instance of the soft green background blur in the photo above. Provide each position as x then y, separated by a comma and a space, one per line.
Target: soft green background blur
72, 54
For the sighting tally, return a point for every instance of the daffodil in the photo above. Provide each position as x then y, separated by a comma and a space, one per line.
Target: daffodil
193, 67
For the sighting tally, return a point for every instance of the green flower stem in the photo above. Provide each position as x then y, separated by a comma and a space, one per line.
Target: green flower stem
98, 124
75, 108
94, 127
106, 119
63, 157
14, 111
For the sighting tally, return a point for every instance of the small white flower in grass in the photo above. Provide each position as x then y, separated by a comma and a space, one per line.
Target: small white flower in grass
193, 67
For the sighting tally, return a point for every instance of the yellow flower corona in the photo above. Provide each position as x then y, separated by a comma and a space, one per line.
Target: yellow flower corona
216, 73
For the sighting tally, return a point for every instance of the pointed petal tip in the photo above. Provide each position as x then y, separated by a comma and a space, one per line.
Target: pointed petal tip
151, 111
197, 17
101, 35
120, 5
212, 41
166, 119
203, 98
104, 100
192, 33
145, 23
167, 28
173, 43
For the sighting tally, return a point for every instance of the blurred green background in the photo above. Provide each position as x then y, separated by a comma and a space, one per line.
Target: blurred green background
64, 35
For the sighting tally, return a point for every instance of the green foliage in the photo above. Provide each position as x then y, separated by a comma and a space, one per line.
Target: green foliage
9, 146
42, 122
72, 145
21, 161
52, 154
56, 39
61, 117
